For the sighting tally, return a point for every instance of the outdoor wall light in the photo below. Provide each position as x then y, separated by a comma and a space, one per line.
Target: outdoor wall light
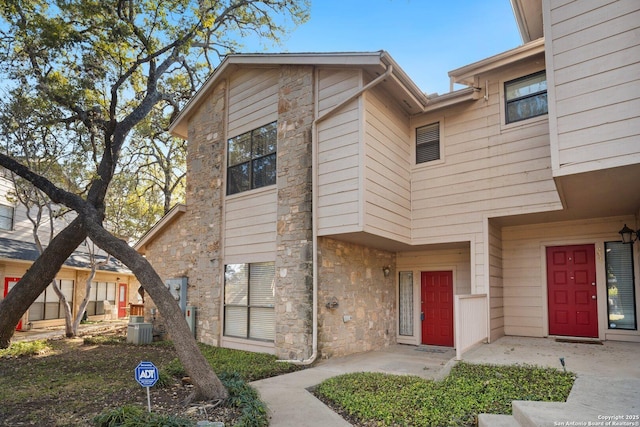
628, 235
386, 270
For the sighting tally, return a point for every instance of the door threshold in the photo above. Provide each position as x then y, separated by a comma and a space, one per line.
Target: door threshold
579, 341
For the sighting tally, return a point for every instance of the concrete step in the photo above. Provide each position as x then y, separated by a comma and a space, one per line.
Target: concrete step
492, 420
590, 400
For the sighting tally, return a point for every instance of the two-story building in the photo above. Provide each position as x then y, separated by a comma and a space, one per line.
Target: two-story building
113, 287
333, 208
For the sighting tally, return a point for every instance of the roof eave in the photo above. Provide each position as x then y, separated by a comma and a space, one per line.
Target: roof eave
377, 59
158, 227
466, 75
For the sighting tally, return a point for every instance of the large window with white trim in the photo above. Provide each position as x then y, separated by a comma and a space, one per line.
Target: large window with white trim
100, 292
48, 306
249, 301
621, 296
251, 159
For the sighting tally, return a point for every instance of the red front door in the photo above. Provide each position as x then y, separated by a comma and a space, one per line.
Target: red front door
122, 300
571, 281
9, 282
437, 308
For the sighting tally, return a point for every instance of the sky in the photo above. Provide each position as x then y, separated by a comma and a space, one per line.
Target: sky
427, 38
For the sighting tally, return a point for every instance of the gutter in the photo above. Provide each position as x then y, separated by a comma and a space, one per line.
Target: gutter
314, 202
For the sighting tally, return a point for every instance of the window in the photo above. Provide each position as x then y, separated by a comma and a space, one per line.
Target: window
6, 217
526, 97
405, 310
621, 298
249, 301
252, 159
428, 143
100, 292
48, 306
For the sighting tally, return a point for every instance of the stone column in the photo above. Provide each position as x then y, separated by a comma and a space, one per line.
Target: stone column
294, 253
201, 231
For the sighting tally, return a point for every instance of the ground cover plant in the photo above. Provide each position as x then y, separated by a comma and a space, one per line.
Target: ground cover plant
375, 399
78, 382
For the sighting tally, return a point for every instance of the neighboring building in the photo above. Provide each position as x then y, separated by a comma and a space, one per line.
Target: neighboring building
113, 286
332, 206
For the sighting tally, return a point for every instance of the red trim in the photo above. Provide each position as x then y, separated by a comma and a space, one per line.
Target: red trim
13, 280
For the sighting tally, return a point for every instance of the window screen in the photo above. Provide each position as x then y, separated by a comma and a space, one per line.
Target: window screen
406, 303
621, 297
428, 143
252, 159
6, 217
526, 97
249, 301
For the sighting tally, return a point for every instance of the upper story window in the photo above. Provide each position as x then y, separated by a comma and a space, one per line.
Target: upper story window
526, 97
252, 159
6, 217
428, 143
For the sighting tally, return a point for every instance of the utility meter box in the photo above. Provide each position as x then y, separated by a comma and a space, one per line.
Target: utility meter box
178, 288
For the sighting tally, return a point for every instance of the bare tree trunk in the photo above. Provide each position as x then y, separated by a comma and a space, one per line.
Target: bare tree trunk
85, 301
68, 330
207, 384
37, 278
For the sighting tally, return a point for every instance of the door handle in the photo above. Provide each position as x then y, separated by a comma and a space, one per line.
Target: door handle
421, 317
594, 297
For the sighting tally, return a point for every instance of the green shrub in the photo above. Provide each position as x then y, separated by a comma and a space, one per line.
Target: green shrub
250, 366
26, 348
134, 416
246, 398
470, 389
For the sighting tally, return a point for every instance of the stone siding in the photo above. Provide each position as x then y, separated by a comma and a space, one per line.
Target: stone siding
351, 276
191, 245
294, 255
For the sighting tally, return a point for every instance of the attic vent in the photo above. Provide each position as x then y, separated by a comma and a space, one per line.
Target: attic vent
428, 143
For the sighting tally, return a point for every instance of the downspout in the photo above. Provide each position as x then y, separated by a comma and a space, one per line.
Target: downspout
314, 203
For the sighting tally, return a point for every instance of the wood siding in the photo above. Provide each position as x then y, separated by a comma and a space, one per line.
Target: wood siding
250, 227
496, 283
524, 268
488, 170
339, 154
387, 179
253, 99
594, 95
22, 225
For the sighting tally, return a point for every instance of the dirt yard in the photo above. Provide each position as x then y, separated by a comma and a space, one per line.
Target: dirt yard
72, 383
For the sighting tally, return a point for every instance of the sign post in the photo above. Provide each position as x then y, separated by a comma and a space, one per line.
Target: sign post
147, 376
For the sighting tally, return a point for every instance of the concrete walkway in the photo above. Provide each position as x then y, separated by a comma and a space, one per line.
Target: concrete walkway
608, 381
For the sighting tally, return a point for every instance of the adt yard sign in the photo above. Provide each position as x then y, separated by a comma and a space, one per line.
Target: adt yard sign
146, 374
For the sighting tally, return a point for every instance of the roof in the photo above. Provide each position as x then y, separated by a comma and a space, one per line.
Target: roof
26, 251
528, 14
375, 62
466, 75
